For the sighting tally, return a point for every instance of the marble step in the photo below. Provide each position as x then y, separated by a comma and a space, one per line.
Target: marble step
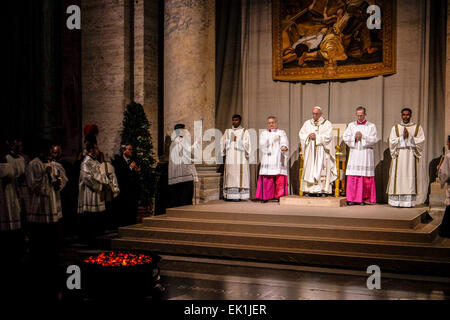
438, 249
388, 263
327, 202
327, 217
423, 233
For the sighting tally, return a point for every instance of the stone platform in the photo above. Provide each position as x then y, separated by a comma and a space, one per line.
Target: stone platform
397, 240
330, 202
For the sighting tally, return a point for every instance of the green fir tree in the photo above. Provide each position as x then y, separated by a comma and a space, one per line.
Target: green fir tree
136, 132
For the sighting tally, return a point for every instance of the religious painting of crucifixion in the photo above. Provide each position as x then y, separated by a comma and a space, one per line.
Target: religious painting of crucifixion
333, 39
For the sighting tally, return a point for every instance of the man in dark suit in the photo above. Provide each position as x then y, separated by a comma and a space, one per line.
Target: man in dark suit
127, 172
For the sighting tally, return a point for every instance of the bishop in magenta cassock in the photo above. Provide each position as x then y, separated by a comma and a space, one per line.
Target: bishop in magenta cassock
361, 136
274, 146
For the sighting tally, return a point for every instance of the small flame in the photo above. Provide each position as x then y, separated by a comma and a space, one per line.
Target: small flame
115, 259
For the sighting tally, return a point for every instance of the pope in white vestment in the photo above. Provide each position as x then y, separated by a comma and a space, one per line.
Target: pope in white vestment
319, 155
235, 145
360, 136
274, 146
406, 143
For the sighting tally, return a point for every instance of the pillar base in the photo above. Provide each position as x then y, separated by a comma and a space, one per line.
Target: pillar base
208, 187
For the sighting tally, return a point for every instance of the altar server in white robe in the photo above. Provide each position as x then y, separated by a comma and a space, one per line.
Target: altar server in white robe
406, 144
274, 147
319, 155
19, 164
182, 171
91, 201
45, 182
360, 136
9, 201
444, 177
235, 145
43, 218
12, 242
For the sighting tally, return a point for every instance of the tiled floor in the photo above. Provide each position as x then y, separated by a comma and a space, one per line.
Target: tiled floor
196, 278
191, 278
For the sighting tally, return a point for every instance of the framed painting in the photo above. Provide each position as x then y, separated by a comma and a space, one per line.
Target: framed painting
333, 39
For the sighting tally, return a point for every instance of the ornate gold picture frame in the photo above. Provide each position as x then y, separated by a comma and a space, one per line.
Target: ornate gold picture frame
333, 39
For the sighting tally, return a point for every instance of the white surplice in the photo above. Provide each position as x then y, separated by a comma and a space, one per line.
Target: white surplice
181, 166
112, 189
361, 161
9, 201
90, 186
45, 202
58, 174
319, 157
405, 153
444, 176
19, 164
235, 145
274, 161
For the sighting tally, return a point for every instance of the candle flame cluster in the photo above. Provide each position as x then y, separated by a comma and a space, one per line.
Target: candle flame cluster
117, 259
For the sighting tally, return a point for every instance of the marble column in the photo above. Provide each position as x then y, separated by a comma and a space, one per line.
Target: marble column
104, 62
189, 63
146, 62
189, 78
447, 77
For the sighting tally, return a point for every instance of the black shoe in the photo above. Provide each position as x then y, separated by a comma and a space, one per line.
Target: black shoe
349, 203
362, 204
323, 195
264, 201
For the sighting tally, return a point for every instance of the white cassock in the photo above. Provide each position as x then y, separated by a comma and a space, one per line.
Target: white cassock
273, 161
181, 166
9, 202
319, 157
402, 188
235, 144
361, 161
45, 202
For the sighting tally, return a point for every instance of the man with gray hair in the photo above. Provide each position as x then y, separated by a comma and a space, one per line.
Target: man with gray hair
361, 136
319, 160
274, 146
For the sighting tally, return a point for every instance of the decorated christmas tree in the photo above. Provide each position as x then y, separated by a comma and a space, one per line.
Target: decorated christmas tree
136, 132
